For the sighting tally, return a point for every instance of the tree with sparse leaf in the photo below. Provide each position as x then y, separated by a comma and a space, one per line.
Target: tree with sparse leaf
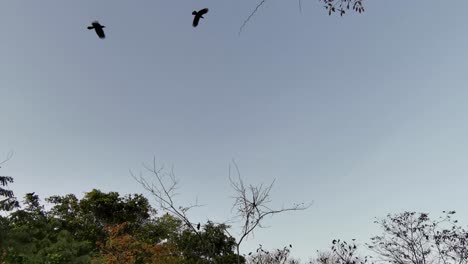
332, 6
413, 238
278, 256
341, 252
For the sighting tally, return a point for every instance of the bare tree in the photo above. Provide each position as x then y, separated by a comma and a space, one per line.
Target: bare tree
164, 190
252, 205
164, 187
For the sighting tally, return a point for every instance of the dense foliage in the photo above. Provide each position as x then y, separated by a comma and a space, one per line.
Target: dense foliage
106, 228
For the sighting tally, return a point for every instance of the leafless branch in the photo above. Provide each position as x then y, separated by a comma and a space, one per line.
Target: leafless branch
251, 15
8, 157
252, 204
163, 188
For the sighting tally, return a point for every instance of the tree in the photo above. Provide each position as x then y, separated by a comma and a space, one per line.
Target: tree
199, 246
252, 204
32, 237
278, 256
332, 6
87, 217
411, 237
7, 198
342, 252
210, 245
121, 247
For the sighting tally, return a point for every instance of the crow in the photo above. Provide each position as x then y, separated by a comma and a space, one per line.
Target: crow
198, 15
98, 28
198, 226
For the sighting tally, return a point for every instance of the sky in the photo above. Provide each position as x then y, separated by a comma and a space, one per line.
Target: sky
364, 115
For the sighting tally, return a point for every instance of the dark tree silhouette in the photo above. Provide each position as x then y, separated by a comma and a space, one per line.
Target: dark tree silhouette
252, 206
341, 252
342, 6
251, 203
331, 6
278, 256
98, 28
198, 15
7, 198
411, 237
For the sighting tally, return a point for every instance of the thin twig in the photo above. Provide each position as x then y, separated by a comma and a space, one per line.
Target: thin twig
251, 15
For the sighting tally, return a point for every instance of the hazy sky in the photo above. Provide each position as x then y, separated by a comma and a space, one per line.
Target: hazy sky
364, 115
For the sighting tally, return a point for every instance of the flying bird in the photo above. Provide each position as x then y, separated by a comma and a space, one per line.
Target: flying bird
198, 15
98, 28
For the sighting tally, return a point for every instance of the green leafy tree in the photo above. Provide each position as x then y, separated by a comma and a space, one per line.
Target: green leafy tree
210, 245
32, 238
86, 218
7, 198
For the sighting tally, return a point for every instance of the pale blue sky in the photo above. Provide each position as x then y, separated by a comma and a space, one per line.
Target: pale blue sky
365, 114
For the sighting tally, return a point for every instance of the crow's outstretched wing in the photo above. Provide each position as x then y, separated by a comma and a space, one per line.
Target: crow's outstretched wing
203, 11
100, 32
195, 20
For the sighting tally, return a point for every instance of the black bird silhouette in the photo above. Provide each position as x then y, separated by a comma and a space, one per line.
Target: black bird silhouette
198, 15
98, 28
198, 226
